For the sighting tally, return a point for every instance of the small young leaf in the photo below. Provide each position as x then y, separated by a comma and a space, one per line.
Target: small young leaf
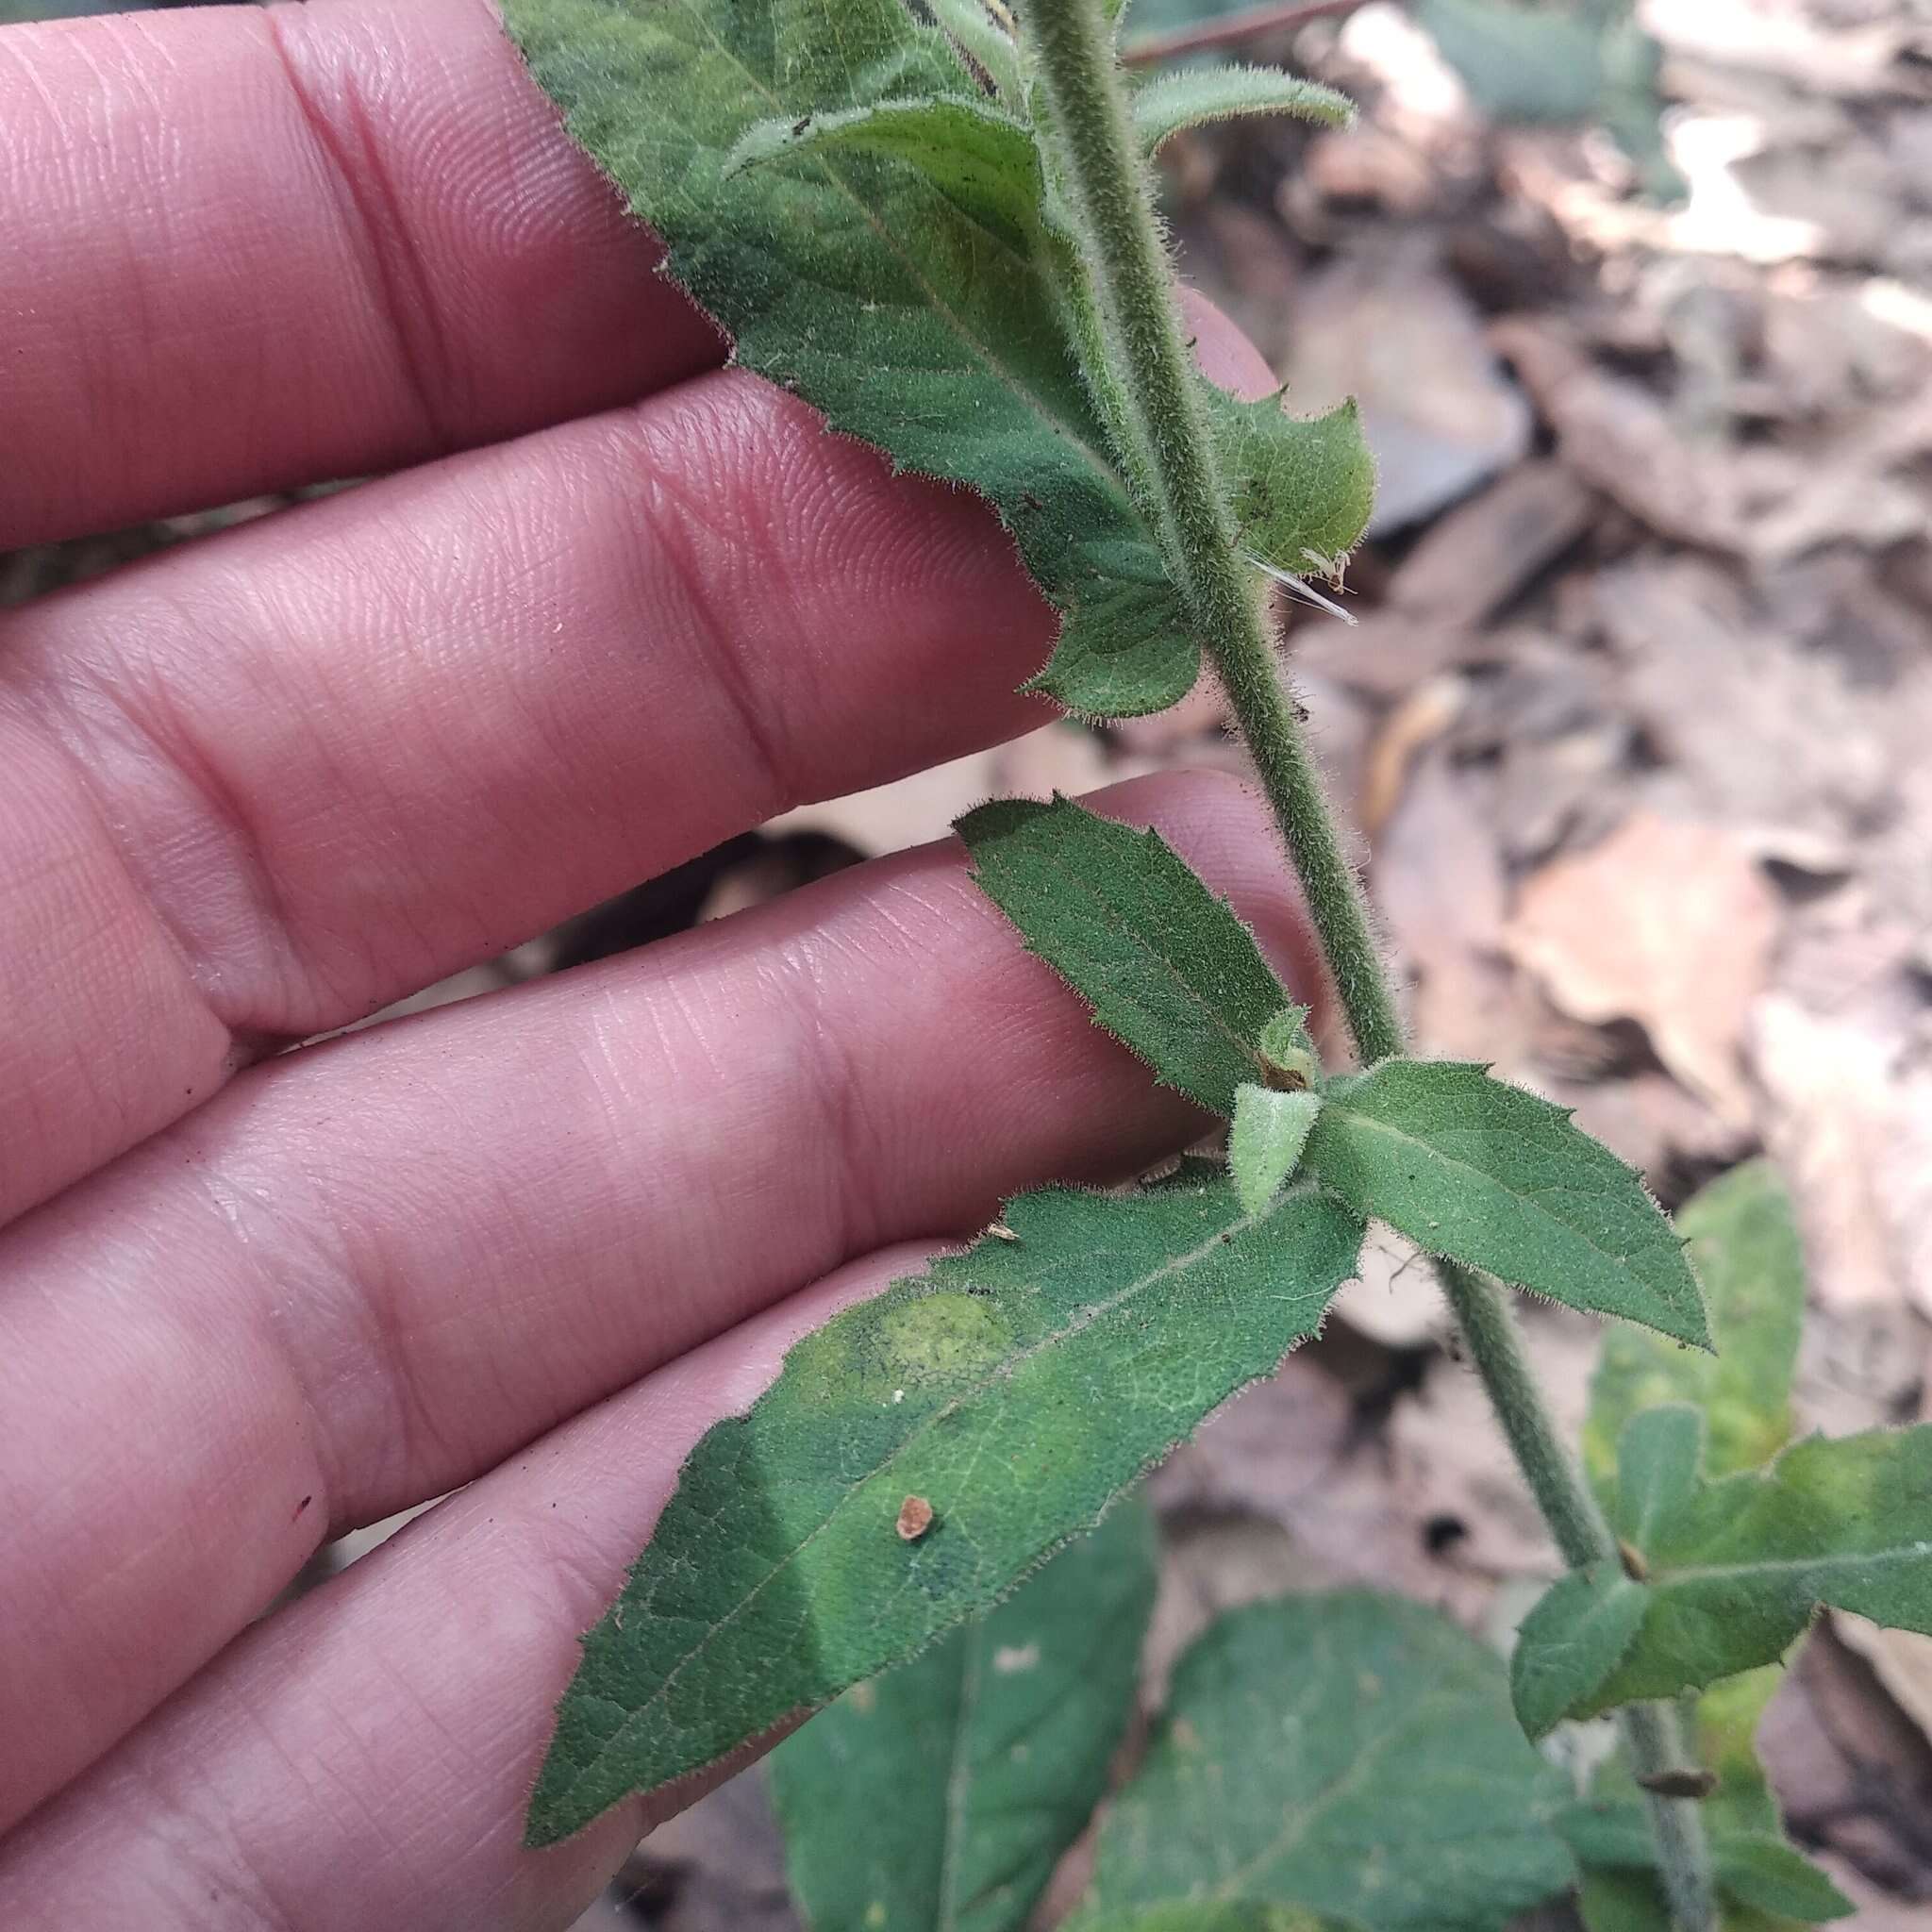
1582, 1627
1288, 1059
1165, 965
1191, 96
1016, 1388
1351, 1754
1745, 1245
943, 1792
1301, 487
1734, 1569
1265, 1148
970, 26
1656, 1470
1497, 1179
984, 164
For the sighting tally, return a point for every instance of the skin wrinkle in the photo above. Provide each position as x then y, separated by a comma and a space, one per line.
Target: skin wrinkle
424, 1277
352, 202
271, 987
543, 289
520, 1237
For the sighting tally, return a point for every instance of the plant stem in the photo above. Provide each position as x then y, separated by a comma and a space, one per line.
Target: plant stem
1139, 325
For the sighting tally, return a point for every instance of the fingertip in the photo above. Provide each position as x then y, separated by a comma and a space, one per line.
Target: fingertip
1225, 356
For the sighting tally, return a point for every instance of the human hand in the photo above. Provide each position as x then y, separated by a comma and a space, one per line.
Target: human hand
268, 782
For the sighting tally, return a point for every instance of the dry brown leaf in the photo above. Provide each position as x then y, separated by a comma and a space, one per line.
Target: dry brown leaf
1666, 923
1619, 438
1900, 1659
1415, 723
1288, 1453
1455, 1473
1438, 882
1364, 328
1849, 1114
1394, 1298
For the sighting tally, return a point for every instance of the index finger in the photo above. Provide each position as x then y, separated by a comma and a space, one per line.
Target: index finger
249, 248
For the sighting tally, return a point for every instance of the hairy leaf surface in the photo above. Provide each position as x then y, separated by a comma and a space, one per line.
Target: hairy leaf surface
1498, 1179
938, 1797
1193, 96
993, 1407
1165, 965
1265, 1146
1733, 1569
1746, 1247
835, 187
1352, 1755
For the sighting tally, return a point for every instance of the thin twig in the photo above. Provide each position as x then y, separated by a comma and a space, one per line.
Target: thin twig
1230, 30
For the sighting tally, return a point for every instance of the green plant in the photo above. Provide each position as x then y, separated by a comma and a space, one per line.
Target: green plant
939, 230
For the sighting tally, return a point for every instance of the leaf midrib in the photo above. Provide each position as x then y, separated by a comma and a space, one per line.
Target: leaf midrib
1089, 1313
1621, 1262
1119, 925
1782, 1566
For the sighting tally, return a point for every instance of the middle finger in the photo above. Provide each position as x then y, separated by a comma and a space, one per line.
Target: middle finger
262, 786
365, 1273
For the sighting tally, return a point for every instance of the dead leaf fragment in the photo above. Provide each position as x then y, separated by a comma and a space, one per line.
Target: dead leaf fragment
1666, 923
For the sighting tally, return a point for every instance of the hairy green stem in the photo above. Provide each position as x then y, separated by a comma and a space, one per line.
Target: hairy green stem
1140, 330
1147, 374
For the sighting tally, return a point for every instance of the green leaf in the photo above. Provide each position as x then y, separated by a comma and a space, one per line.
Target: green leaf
1772, 1876
1742, 1238
1269, 1131
1193, 96
1539, 65
1622, 1899
986, 42
1746, 1247
1575, 1648
943, 1792
1301, 487
1165, 965
892, 272
1351, 1754
1498, 1179
1724, 1728
1239, 1915
920, 1455
1734, 1568
982, 161
1611, 1835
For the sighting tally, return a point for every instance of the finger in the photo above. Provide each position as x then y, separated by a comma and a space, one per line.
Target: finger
402, 1709
251, 248
262, 786
371, 1270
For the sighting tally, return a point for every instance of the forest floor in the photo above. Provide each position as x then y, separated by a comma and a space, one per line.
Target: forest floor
1631, 731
